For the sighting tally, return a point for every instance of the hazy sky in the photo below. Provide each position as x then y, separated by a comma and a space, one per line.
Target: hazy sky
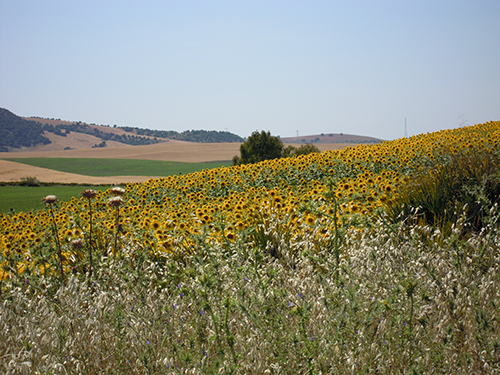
358, 67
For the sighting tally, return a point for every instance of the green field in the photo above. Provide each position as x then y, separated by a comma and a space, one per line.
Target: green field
118, 167
29, 198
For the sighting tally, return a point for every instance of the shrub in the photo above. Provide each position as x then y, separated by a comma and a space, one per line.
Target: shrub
29, 181
306, 149
467, 182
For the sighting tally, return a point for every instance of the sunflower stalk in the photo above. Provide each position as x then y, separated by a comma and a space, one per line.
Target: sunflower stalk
50, 200
89, 194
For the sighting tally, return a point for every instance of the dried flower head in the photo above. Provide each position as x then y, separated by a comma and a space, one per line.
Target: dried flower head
50, 199
77, 244
89, 194
117, 191
115, 201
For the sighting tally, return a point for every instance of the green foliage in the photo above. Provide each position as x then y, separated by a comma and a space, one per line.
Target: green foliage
256, 147
78, 127
308, 148
16, 132
467, 183
139, 136
29, 181
203, 136
259, 147
100, 145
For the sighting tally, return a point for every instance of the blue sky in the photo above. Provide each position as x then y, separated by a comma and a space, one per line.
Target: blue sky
358, 67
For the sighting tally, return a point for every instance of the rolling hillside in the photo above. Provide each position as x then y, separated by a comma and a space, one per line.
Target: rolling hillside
33, 133
332, 138
347, 261
16, 132
138, 136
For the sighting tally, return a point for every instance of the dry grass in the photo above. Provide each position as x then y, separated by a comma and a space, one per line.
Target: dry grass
170, 151
303, 286
403, 301
73, 140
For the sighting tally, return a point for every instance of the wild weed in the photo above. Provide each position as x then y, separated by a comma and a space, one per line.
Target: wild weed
420, 302
50, 200
90, 194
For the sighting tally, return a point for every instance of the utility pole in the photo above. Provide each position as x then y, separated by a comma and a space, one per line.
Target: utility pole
406, 129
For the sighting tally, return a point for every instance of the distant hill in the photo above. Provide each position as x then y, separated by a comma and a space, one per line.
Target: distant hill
138, 136
202, 136
331, 138
16, 132
37, 133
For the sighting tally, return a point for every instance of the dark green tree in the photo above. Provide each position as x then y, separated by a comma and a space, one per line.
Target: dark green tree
258, 147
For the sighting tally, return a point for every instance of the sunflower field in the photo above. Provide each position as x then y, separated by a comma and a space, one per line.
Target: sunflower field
164, 216
321, 209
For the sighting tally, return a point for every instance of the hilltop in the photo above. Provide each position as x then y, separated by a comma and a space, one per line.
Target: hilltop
41, 134
139, 136
332, 138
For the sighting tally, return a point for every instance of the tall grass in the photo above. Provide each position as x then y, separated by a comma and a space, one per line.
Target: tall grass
467, 181
417, 303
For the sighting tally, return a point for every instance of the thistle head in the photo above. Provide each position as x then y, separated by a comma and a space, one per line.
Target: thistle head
77, 244
117, 191
115, 201
49, 199
89, 194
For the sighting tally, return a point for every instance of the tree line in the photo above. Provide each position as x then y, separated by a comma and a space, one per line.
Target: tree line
203, 136
79, 127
